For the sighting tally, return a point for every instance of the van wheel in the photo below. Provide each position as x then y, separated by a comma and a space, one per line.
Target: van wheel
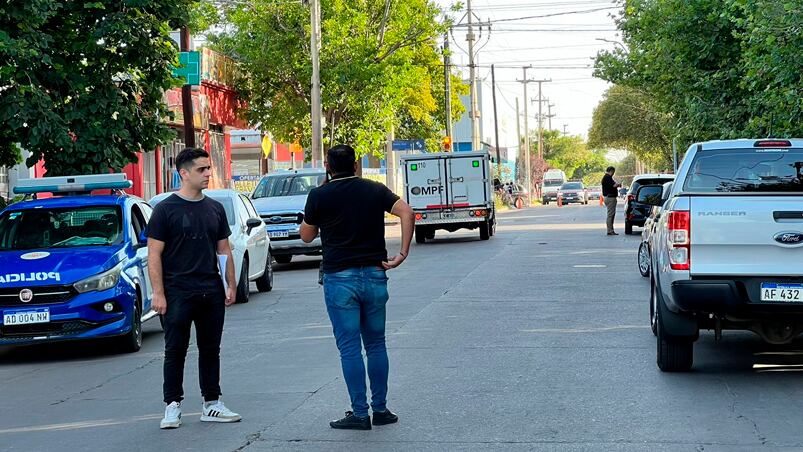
420, 235
673, 354
243, 291
132, 341
485, 230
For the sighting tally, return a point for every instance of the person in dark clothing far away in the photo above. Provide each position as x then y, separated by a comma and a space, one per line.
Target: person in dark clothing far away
186, 233
349, 213
610, 194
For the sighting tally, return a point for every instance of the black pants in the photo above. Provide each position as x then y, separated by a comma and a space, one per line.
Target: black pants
207, 310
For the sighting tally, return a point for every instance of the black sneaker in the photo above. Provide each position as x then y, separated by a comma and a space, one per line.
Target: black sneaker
352, 422
385, 418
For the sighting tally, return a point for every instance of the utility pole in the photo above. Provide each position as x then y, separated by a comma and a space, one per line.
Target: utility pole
496, 126
525, 81
475, 113
447, 79
317, 112
549, 114
540, 120
186, 96
524, 162
565, 132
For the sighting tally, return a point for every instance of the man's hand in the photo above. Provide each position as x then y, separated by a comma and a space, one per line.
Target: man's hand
159, 304
393, 262
231, 296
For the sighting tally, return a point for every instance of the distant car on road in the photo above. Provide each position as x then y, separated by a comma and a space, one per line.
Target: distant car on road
250, 245
726, 250
646, 195
594, 192
280, 199
573, 192
635, 212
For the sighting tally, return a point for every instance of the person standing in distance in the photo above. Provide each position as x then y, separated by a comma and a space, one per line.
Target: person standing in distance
610, 194
349, 212
185, 234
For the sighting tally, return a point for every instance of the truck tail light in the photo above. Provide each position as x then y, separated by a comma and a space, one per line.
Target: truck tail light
418, 217
679, 240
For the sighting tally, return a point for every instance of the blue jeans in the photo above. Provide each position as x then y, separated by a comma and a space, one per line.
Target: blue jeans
355, 299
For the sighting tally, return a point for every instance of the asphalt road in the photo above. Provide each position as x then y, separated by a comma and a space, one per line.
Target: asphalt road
535, 340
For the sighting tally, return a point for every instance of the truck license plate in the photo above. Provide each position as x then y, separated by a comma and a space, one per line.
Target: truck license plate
41, 315
782, 293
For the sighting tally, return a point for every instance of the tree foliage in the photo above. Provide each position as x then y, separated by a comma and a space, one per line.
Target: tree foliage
716, 68
82, 82
377, 70
571, 154
628, 119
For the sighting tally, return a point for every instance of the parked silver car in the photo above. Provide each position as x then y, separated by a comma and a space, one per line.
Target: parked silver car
280, 198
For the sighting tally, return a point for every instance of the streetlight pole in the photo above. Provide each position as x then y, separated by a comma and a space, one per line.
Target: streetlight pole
475, 114
186, 96
317, 112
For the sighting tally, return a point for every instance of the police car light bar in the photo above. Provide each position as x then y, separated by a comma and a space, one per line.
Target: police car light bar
72, 184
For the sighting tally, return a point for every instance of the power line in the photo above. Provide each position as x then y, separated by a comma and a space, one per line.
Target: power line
563, 13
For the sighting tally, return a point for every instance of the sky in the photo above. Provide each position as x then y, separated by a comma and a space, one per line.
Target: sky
560, 48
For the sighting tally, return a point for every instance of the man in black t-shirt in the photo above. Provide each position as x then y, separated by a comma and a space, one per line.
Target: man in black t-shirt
350, 212
186, 233
610, 195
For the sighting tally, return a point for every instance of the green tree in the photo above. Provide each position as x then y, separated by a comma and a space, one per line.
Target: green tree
377, 70
627, 119
717, 68
82, 83
571, 154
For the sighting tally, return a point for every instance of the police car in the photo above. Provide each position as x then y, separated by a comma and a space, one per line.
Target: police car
74, 266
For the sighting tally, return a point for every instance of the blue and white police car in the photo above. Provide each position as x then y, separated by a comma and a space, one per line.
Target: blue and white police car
74, 266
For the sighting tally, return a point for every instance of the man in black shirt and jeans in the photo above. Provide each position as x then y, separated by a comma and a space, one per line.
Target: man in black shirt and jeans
186, 233
610, 194
349, 212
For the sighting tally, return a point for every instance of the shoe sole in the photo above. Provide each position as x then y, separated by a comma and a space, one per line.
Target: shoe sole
222, 420
351, 427
169, 425
386, 422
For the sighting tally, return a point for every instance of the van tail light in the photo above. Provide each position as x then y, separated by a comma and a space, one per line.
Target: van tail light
679, 240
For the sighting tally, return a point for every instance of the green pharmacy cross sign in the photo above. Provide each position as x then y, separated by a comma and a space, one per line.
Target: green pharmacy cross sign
190, 69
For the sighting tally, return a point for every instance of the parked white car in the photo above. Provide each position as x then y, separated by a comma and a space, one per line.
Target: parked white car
250, 245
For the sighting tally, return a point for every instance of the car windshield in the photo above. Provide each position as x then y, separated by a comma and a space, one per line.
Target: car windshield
642, 182
572, 186
287, 185
60, 228
746, 170
553, 183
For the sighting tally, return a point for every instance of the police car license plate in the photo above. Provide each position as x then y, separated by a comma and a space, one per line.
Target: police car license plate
278, 234
41, 315
782, 293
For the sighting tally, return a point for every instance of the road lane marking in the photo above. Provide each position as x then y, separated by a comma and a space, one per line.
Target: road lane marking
86, 424
590, 266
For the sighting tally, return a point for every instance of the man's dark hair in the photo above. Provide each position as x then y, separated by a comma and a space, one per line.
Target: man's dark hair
341, 159
610, 168
187, 156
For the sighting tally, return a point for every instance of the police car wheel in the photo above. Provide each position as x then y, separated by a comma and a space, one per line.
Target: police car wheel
132, 341
265, 282
242, 286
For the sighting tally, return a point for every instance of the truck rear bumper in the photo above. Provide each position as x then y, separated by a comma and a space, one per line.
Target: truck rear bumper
740, 296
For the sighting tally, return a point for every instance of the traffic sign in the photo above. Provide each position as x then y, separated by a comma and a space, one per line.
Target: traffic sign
409, 145
190, 69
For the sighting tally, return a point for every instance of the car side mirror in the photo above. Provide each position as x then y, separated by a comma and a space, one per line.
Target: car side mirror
253, 223
650, 195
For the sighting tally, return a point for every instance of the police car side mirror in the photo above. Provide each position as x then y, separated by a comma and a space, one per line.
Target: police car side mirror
142, 239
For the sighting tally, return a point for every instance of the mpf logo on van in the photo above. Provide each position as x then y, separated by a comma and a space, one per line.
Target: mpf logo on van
427, 191
28, 277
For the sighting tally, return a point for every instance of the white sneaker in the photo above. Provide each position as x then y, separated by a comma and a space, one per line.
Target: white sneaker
217, 412
172, 417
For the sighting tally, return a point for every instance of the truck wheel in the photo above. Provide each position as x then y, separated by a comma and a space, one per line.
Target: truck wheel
420, 235
485, 230
283, 258
628, 228
430, 234
673, 354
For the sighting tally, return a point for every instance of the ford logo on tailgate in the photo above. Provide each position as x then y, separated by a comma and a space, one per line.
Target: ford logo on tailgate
789, 238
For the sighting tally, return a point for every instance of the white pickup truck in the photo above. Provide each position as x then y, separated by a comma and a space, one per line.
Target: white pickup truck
727, 251
449, 191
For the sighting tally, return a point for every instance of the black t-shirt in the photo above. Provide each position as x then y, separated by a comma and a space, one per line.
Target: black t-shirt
609, 186
350, 213
190, 231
